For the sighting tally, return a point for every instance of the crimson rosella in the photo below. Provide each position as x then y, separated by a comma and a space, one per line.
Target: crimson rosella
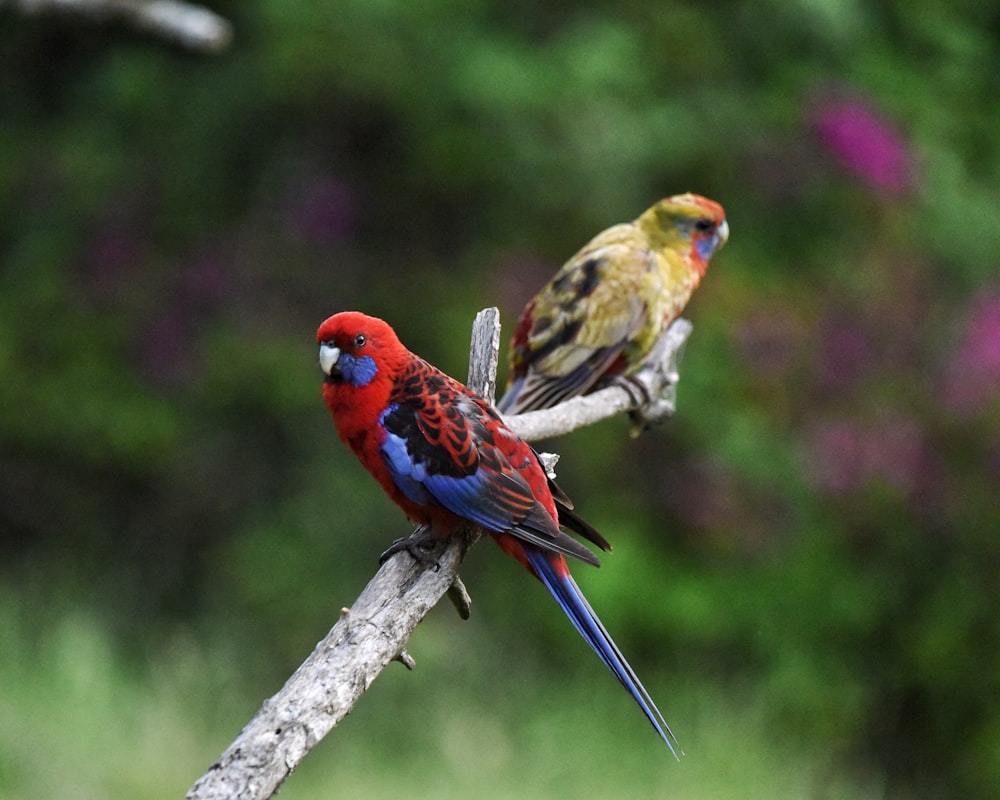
445, 457
604, 310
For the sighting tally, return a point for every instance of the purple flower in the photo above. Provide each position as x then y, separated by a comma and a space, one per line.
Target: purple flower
865, 143
972, 377
204, 280
768, 341
111, 261
114, 251
835, 454
845, 354
321, 210
165, 345
514, 278
846, 455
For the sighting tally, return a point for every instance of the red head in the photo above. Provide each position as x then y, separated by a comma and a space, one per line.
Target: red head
360, 357
690, 218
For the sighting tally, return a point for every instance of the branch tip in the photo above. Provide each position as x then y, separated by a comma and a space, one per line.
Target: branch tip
460, 598
404, 658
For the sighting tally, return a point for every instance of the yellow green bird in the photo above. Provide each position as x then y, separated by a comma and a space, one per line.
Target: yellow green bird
606, 307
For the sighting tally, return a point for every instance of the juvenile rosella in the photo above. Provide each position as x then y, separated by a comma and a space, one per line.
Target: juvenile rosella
445, 457
606, 307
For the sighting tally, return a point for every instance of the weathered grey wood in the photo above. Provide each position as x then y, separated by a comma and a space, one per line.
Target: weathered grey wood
484, 353
325, 688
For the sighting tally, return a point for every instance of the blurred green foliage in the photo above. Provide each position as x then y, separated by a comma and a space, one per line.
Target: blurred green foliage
817, 527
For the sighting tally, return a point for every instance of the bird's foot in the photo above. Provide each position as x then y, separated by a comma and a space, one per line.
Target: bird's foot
422, 545
637, 388
653, 388
647, 406
425, 547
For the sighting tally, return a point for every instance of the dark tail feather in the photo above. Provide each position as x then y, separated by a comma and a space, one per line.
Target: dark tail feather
507, 400
576, 607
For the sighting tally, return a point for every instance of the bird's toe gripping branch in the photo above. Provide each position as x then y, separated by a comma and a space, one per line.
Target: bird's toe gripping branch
425, 548
422, 545
653, 388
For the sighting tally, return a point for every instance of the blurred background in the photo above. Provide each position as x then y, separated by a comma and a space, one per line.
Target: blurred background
807, 565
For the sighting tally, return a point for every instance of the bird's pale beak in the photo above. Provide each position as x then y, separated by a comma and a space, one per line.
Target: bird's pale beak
328, 358
723, 233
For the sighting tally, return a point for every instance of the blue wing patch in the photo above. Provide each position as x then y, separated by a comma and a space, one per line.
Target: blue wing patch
407, 474
486, 490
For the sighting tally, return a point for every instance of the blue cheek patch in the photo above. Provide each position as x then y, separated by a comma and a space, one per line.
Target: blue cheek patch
707, 246
358, 371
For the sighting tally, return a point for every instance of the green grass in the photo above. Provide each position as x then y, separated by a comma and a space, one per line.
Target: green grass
78, 721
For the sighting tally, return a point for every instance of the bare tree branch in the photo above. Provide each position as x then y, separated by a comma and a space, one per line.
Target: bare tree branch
331, 680
484, 353
186, 24
375, 630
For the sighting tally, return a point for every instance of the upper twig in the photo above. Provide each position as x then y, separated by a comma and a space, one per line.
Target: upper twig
186, 24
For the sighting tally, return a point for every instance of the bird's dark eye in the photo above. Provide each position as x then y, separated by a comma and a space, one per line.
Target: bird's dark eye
359, 340
704, 225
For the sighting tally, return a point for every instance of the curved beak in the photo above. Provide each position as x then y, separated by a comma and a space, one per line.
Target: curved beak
328, 358
723, 233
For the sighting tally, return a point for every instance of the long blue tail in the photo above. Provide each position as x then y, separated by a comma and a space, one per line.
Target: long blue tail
572, 601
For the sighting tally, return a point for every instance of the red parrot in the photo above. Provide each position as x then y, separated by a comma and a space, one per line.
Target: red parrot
605, 309
445, 457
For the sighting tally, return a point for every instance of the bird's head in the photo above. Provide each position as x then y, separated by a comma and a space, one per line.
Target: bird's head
691, 218
353, 348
